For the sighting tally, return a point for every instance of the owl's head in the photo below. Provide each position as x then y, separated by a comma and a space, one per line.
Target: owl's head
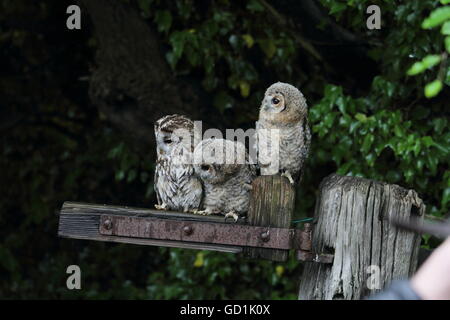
173, 131
284, 103
217, 160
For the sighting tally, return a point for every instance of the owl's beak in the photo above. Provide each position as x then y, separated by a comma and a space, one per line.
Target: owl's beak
266, 104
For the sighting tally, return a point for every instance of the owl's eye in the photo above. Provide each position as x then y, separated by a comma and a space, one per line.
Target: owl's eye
167, 141
275, 100
205, 167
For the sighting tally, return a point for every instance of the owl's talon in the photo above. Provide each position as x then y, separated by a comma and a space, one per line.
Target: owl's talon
232, 215
161, 207
287, 174
202, 212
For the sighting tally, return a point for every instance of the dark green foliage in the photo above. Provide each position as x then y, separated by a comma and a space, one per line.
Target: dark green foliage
56, 146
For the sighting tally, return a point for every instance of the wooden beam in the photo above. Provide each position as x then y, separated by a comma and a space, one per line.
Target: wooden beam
82, 221
174, 229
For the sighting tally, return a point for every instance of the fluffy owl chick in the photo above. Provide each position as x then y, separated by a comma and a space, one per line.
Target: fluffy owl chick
177, 188
223, 167
285, 149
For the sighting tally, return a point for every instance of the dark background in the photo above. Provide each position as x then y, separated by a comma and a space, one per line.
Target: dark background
77, 109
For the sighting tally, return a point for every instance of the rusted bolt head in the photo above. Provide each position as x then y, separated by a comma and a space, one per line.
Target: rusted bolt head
107, 224
187, 230
265, 236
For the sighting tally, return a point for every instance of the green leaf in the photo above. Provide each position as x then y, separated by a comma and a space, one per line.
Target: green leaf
446, 28
268, 47
416, 68
436, 18
163, 19
447, 43
177, 40
131, 175
337, 7
368, 140
255, 6
426, 63
445, 1
433, 88
144, 5
249, 41
427, 141
361, 117
439, 124
244, 87
431, 60
223, 101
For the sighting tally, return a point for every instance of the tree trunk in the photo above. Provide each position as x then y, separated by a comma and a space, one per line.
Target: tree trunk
132, 85
369, 252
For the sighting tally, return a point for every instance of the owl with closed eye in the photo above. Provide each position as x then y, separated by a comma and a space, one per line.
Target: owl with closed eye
224, 169
176, 186
283, 133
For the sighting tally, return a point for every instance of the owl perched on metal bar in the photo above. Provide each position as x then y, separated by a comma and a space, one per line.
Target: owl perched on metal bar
223, 167
283, 134
176, 186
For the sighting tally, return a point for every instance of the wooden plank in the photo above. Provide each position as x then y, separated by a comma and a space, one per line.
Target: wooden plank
271, 205
82, 221
352, 222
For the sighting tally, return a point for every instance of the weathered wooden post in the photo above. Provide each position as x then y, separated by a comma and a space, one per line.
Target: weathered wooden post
351, 215
271, 205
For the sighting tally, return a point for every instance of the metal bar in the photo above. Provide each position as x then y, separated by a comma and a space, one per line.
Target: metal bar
314, 257
204, 232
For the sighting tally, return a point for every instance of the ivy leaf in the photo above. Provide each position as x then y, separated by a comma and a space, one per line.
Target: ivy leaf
436, 18
447, 43
163, 19
268, 47
433, 88
249, 41
429, 61
171, 59
416, 68
361, 117
223, 101
199, 260
367, 143
446, 28
255, 6
144, 5
244, 87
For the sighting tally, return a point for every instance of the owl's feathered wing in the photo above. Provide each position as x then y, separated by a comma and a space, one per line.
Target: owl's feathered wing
175, 182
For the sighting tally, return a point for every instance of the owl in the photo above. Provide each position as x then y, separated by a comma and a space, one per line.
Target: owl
223, 167
282, 132
176, 186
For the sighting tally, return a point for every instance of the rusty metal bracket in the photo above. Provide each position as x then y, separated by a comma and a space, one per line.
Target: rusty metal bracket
305, 253
239, 235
